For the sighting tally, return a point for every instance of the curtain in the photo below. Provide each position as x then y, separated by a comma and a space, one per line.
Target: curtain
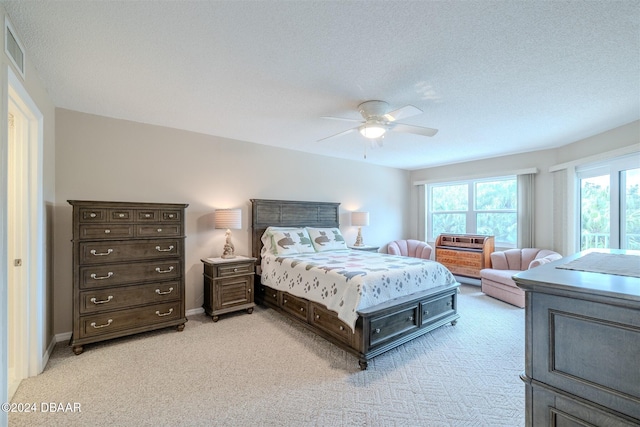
526, 208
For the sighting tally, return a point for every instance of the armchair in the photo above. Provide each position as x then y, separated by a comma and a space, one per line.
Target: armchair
412, 248
496, 281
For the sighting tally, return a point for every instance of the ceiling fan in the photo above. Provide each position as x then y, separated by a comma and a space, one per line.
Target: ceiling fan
377, 121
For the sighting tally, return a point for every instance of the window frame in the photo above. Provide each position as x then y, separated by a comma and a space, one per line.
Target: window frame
613, 168
471, 213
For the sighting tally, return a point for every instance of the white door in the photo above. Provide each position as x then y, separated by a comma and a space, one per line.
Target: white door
25, 240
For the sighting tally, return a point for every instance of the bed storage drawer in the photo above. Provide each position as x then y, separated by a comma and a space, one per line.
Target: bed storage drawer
436, 309
328, 321
386, 327
294, 305
267, 295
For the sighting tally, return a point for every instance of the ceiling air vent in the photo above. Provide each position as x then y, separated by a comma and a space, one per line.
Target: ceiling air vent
12, 47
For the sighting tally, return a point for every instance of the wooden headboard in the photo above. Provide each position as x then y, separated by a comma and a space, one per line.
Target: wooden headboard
286, 213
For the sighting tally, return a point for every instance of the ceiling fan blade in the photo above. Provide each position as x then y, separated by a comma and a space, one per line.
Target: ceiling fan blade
418, 130
344, 119
402, 113
338, 134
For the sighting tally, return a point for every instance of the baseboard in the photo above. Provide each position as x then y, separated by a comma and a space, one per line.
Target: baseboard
195, 311
467, 280
66, 336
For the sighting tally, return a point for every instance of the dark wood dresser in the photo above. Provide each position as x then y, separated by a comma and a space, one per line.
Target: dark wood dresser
465, 254
582, 343
128, 269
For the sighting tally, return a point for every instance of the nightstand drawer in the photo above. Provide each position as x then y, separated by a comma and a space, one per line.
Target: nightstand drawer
234, 269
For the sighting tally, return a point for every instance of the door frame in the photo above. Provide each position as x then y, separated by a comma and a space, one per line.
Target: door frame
32, 308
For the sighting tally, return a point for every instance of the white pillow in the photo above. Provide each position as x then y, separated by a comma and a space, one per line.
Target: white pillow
291, 241
326, 239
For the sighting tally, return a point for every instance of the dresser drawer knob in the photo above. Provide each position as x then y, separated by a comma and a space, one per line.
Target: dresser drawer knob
121, 215
94, 276
426, 313
448, 303
93, 215
164, 314
147, 215
341, 328
96, 253
164, 271
104, 301
159, 230
318, 316
169, 249
275, 295
301, 308
376, 331
107, 231
93, 324
171, 216
284, 302
410, 319
159, 292
249, 290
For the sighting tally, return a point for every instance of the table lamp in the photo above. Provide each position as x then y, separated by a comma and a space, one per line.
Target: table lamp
228, 219
360, 219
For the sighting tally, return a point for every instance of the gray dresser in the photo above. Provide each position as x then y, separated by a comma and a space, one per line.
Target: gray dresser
582, 363
128, 269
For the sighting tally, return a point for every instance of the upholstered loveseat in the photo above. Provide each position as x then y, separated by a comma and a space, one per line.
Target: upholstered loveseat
410, 247
497, 282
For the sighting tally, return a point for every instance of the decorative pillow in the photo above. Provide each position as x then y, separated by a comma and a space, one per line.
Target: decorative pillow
267, 239
292, 241
326, 239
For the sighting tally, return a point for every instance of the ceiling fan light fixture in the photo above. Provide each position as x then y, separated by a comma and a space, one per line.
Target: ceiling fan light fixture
372, 131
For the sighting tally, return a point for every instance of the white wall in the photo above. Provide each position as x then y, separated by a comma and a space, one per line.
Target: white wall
99, 158
547, 228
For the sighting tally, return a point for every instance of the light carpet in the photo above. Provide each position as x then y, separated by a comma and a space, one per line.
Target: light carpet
265, 370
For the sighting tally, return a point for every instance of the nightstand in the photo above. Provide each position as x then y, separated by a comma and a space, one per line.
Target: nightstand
365, 248
228, 285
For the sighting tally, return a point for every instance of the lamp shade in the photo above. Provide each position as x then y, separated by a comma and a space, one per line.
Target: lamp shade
360, 218
228, 218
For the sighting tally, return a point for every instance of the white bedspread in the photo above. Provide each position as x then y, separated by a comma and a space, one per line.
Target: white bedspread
346, 281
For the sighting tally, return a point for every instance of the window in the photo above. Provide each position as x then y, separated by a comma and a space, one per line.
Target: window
609, 204
487, 206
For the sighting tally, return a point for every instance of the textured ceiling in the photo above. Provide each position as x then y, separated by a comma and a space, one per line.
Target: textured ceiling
494, 77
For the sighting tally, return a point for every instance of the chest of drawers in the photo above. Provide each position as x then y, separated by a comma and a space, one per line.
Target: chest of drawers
128, 269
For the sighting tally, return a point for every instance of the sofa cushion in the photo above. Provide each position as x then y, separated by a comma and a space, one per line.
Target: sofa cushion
501, 276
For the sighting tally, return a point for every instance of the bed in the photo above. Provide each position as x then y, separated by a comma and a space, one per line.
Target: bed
341, 294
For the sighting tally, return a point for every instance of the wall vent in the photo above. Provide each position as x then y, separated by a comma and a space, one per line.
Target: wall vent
12, 47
